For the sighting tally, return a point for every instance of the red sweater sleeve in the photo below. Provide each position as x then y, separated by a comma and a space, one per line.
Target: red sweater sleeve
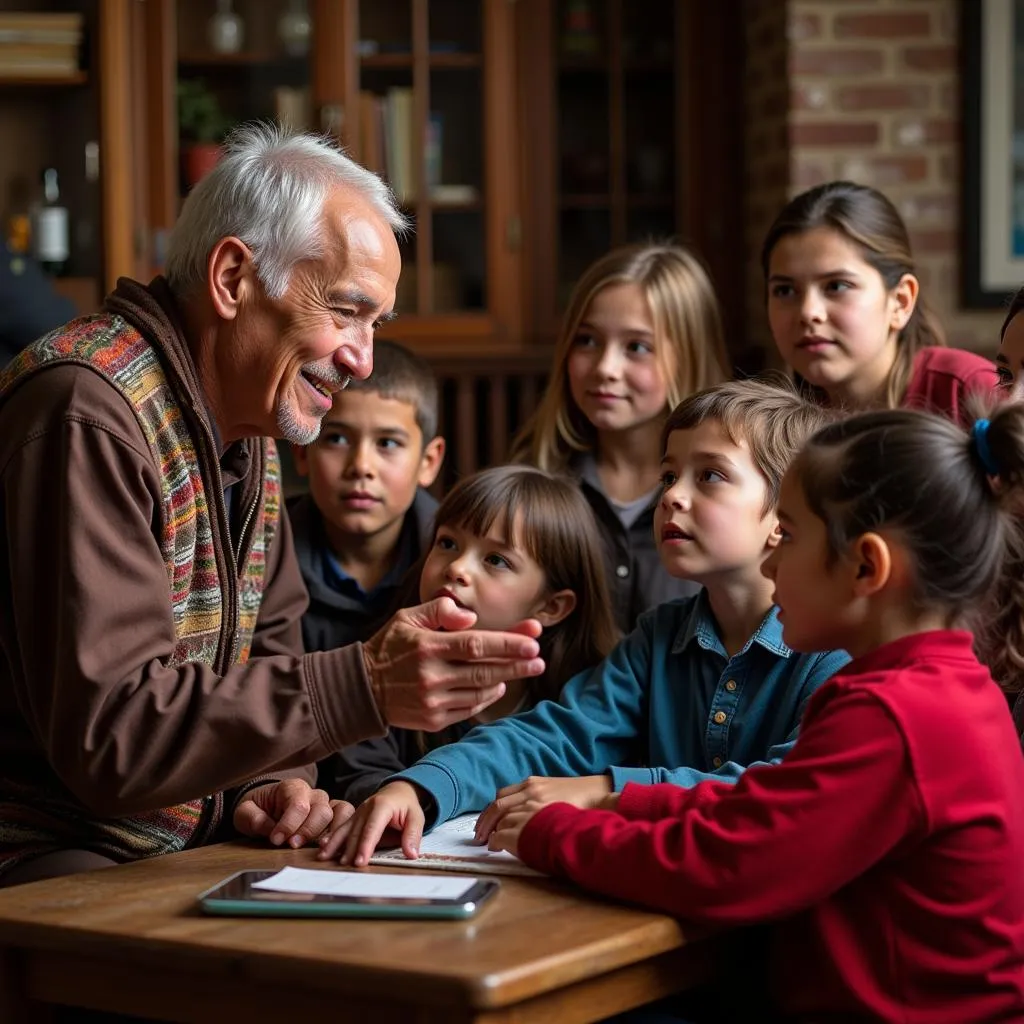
639, 802
783, 838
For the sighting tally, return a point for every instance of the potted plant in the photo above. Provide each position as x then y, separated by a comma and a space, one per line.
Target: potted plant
202, 127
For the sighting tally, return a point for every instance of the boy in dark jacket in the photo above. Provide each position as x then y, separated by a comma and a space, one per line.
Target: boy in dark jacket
368, 515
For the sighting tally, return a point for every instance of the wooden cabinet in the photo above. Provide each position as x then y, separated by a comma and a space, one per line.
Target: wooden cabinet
524, 137
79, 122
635, 133
421, 90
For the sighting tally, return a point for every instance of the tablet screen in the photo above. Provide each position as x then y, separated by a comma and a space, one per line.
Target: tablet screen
300, 891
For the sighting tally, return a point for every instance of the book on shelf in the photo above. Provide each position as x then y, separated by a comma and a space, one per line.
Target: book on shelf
386, 139
48, 29
292, 109
371, 132
39, 45
399, 150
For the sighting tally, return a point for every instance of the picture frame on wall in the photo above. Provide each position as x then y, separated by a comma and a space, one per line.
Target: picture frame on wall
993, 154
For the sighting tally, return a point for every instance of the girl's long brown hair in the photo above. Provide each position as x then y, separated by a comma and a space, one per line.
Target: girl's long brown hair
552, 521
688, 344
865, 217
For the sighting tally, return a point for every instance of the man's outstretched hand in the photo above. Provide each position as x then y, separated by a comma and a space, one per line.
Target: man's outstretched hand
429, 668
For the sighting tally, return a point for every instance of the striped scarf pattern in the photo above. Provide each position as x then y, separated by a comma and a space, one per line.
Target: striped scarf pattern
40, 820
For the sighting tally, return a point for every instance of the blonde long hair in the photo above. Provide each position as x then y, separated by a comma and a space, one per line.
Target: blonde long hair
688, 344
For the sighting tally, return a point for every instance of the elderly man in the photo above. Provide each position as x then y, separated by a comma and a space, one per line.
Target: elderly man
153, 685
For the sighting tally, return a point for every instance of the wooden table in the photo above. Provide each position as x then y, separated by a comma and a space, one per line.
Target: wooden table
130, 940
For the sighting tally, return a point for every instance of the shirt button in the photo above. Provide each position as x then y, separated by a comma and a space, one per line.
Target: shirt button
622, 571
717, 762
731, 685
720, 717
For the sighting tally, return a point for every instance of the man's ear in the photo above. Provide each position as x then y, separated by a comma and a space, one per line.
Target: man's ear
230, 276
555, 608
300, 455
430, 461
872, 559
904, 299
775, 537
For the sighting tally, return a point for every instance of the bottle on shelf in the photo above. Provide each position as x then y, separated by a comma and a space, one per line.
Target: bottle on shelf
225, 30
50, 228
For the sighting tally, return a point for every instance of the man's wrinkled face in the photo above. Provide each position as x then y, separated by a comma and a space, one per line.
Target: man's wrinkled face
292, 354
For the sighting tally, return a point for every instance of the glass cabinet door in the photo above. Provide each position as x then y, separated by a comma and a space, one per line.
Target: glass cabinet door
615, 127
238, 60
605, 108
421, 91
428, 79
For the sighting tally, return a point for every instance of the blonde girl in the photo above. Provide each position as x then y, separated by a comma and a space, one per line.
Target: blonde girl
642, 331
846, 312
510, 543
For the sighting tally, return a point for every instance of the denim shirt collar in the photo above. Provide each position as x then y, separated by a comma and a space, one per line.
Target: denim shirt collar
701, 626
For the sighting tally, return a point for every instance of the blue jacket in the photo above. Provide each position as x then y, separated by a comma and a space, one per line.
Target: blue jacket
667, 705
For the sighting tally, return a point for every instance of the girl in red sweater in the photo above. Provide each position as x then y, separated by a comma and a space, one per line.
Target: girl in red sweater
886, 849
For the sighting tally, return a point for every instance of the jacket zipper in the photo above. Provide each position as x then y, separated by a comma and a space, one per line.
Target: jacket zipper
242, 547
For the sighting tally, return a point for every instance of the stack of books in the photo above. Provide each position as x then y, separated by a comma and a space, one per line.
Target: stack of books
40, 45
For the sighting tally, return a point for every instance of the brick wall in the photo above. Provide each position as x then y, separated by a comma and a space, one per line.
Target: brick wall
767, 160
874, 97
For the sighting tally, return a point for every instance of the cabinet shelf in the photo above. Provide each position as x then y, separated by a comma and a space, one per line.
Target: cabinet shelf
651, 201
639, 66
583, 65
585, 201
244, 58
462, 204
435, 60
603, 201
50, 81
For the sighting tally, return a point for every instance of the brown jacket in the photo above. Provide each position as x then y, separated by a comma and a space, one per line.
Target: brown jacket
88, 703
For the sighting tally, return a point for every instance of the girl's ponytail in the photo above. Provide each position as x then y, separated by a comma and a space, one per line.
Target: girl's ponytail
997, 447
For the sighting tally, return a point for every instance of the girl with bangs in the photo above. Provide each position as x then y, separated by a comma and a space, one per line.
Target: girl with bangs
642, 332
510, 543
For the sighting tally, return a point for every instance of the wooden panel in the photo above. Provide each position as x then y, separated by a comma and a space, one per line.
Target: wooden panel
420, 113
709, 110
617, 123
497, 416
537, 107
335, 81
116, 140
465, 436
161, 135
502, 174
84, 292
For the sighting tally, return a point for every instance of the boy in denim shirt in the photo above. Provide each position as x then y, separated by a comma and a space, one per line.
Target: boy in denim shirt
701, 689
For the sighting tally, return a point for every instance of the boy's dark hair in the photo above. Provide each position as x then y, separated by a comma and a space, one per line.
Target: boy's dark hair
407, 377
770, 415
868, 219
921, 476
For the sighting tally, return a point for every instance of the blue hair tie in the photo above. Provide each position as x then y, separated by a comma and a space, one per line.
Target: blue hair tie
979, 433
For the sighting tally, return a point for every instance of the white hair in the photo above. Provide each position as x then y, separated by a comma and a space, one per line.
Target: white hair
268, 189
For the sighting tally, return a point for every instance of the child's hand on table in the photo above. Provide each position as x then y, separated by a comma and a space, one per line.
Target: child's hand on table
505, 835
395, 807
585, 792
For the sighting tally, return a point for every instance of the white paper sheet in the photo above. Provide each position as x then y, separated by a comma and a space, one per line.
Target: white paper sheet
451, 847
359, 883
